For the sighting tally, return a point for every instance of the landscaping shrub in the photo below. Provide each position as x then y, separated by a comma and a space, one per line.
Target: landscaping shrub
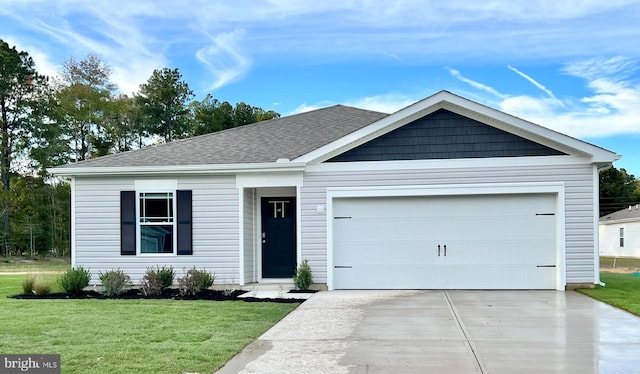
303, 277
75, 280
156, 280
195, 281
114, 283
166, 275
41, 288
28, 285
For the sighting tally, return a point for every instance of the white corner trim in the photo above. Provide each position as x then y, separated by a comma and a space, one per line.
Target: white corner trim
73, 222
241, 254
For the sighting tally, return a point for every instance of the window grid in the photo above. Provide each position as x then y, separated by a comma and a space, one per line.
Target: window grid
157, 227
156, 207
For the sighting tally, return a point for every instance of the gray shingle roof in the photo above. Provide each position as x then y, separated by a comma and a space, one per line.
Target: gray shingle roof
625, 213
287, 137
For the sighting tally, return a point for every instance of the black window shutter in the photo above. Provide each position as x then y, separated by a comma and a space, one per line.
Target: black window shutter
184, 222
127, 222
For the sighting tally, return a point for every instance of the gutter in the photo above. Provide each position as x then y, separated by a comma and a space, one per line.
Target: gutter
281, 165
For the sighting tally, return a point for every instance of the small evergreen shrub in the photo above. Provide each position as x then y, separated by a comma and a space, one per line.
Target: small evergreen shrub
303, 277
114, 282
156, 280
28, 285
166, 275
75, 280
41, 288
195, 281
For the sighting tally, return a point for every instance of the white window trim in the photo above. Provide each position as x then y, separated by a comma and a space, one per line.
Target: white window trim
157, 186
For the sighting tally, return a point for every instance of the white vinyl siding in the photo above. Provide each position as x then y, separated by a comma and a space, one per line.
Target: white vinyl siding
578, 204
610, 239
215, 228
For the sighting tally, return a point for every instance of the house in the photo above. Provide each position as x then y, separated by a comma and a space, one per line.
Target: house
620, 233
443, 194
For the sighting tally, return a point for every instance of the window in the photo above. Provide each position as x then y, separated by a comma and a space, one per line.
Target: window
621, 237
279, 209
156, 222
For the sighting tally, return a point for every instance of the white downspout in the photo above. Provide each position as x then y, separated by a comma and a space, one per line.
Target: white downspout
596, 222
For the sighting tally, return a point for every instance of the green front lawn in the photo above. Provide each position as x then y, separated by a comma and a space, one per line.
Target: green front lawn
38, 265
131, 336
621, 290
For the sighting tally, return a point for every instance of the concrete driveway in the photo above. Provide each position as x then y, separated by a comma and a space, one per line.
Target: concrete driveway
447, 332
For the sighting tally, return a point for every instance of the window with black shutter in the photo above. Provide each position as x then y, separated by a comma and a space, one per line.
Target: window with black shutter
162, 217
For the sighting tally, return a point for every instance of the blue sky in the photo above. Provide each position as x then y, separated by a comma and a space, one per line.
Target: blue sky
572, 66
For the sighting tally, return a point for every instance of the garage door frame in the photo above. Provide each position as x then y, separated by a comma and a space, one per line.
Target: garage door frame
556, 188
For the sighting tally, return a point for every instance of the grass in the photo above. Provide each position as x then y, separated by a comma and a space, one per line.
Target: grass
620, 262
621, 290
130, 336
37, 265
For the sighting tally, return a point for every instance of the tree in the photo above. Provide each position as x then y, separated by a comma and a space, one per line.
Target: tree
617, 190
123, 124
21, 91
163, 103
40, 216
211, 115
83, 101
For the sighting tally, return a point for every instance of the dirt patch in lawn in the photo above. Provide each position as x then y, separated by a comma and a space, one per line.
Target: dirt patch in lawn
620, 270
171, 294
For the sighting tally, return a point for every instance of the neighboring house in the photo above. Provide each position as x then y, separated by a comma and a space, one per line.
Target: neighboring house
445, 193
620, 233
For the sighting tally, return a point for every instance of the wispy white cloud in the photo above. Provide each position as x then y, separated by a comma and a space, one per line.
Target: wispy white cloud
477, 85
535, 83
612, 108
304, 107
143, 32
617, 67
384, 103
223, 58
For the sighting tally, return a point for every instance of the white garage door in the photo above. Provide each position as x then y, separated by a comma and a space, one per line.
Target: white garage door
452, 242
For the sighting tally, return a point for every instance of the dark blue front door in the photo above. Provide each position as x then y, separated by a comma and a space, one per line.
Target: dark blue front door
278, 237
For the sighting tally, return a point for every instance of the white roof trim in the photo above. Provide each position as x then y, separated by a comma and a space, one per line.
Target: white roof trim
180, 169
468, 108
620, 220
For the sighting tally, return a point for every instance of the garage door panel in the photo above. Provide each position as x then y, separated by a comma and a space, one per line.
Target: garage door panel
492, 242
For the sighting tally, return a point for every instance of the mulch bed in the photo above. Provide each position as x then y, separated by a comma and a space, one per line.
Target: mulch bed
170, 294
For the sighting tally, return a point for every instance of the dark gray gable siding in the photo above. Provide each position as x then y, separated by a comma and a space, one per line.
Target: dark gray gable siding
444, 135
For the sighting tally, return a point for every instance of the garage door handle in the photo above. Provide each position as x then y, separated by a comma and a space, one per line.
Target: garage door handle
438, 250
445, 250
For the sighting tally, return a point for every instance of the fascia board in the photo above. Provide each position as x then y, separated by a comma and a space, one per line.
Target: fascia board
178, 169
621, 220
